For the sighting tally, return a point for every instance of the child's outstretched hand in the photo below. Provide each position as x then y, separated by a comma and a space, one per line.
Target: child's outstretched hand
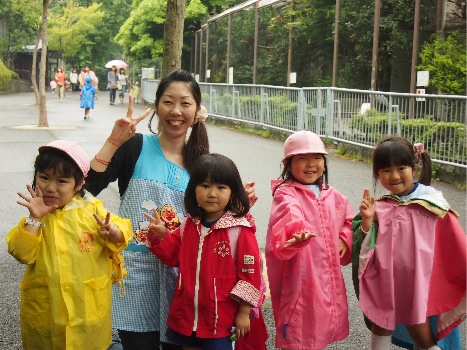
108, 229
156, 227
35, 203
299, 237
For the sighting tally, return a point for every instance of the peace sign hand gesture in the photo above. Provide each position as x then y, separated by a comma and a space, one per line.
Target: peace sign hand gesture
108, 229
156, 227
125, 127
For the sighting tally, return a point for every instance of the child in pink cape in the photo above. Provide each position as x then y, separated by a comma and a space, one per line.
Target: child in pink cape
309, 237
410, 251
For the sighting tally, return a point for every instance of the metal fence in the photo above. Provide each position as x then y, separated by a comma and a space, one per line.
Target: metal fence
353, 116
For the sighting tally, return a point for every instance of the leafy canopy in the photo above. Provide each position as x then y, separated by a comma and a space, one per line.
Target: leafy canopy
445, 60
69, 27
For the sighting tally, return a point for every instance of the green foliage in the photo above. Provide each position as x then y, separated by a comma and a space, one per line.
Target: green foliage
141, 36
69, 27
22, 18
445, 59
443, 137
6, 76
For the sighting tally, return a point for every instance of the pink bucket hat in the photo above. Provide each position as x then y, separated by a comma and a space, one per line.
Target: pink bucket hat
302, 142
73, 150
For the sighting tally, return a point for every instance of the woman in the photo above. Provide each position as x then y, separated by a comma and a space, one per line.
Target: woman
152, 172
122, 82
74, 80
112, 83
60, 77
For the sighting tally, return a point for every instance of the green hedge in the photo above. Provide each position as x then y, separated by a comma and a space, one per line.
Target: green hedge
445, 139
6, 76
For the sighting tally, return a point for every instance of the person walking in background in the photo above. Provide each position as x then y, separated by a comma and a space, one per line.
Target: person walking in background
135, 92
74, 80
122, 84
152, 171
60, 77
309, 237
53, 86
213, 291
112, 83
87, 97
410, 242
81, 78
65, 241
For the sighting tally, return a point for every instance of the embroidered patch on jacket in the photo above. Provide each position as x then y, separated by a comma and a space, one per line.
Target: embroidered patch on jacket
222, 248
248, 260
85, 242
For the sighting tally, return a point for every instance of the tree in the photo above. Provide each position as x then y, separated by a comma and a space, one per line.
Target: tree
40, 92
69, 27
445, 60
22, 19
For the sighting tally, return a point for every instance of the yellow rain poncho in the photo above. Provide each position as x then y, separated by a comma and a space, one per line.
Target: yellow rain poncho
66, 290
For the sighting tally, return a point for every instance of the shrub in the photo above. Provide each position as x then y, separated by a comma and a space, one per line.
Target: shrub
6, 76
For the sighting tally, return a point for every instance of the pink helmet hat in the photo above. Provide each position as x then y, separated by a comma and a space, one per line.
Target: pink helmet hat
302, 142
72, 149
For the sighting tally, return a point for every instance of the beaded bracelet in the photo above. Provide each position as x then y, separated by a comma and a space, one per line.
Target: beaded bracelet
365, 232
33, 222
103, 162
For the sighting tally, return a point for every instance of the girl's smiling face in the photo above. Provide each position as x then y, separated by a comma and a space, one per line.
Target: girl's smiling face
177, 109
56, 189
397, 179
307, 168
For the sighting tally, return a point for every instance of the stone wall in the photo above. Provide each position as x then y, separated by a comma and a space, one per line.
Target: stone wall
18, 86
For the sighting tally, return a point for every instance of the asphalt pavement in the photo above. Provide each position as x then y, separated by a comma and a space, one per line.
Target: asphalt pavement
258, 160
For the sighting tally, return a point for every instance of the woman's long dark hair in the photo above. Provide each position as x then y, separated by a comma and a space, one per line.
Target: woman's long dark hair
198, 143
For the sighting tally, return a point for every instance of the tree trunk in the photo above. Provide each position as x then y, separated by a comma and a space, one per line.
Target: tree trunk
35, 87
173, 36
43, 70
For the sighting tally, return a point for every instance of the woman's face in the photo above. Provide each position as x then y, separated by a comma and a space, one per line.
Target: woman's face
176, 109
114, 69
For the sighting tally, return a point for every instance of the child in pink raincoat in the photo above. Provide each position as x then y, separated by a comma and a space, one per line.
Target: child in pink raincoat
411, 255
309, 237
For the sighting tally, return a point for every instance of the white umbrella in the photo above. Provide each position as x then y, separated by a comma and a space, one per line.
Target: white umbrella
116, 63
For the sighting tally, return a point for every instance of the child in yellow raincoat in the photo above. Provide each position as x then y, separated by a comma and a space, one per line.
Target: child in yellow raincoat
136, 92
66, 241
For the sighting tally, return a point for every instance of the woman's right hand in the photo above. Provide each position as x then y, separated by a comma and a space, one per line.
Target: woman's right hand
124, 128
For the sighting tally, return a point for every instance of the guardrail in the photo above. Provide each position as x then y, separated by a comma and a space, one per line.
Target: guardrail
353, 116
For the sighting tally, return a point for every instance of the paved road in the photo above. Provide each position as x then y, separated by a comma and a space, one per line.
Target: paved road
257, 159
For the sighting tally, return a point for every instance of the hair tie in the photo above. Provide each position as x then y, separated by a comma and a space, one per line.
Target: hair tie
202, 114
419, 150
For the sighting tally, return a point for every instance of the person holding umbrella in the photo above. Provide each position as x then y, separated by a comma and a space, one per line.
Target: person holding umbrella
112, 83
